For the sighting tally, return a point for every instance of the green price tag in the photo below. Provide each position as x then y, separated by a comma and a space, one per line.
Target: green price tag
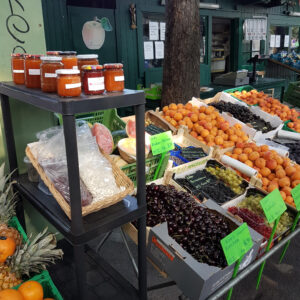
273, 206
161, 143
296, 196
237, 244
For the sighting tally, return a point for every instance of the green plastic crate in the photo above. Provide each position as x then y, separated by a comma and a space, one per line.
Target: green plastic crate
246, 88
151, 166
292, 94
14, 222
108, 117
287, 128
50, 290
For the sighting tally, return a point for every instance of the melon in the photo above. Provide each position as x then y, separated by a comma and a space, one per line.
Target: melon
130, 129
103, 137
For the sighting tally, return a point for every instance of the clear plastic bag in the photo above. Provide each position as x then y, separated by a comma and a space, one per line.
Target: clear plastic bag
97, 181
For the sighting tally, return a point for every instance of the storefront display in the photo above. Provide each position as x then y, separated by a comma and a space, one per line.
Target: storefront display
93, 79
32, 71
17, 68
68, 83
114, 77
49, 66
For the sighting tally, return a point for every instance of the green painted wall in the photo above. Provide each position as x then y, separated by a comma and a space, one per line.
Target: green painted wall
22, 30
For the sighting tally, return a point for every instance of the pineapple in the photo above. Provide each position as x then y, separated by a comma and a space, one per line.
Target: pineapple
7, 208
32, 257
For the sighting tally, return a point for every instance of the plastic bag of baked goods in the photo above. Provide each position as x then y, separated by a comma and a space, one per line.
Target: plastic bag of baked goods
97, 180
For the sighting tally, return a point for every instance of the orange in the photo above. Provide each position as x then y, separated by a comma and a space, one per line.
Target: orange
10, 294
31, 290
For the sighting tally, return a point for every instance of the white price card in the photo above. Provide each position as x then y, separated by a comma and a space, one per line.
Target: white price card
153, 31
148, 50
277, 41
159, 50
162, 26
286, 41
272, 40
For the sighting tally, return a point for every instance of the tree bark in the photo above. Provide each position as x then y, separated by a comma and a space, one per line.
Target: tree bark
181, 69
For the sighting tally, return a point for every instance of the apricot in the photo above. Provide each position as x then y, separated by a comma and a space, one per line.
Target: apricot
260, 163
253, 155
243, 157
265, 172
249, 163
272, 187
287, 190
219, 140
271, 164
296, 176
283, 195
290, 170
289, 200
238, 151
284, 181
280, 173
295, 183
247, 150
204, 133
271, 176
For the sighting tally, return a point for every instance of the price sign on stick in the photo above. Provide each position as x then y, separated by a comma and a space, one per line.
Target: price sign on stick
296, 196
273, 206
235, 246
161, 143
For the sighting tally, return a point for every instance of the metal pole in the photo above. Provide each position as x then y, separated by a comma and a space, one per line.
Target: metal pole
141, 198
75, 201
252, 267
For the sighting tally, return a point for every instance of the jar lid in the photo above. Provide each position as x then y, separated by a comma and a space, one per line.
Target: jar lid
87, 56
92, 67
17, 55
33, 56
53, 52
51, 58
66, 53
113, 66
67, 71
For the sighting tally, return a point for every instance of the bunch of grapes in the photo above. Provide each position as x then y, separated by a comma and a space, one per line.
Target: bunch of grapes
196, 229
229, 177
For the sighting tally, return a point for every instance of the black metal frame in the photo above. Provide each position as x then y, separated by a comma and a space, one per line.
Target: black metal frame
80, 230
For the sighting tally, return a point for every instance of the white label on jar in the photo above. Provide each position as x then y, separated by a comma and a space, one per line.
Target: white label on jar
73, 85
119, 78
96, 83
50, 75
18, 71
75, 67
34, 72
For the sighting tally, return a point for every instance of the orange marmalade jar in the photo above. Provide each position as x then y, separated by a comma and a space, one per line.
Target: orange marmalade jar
32, 71
87, 59
53, 53
49, 66
68, 83
69, 59
17, 68
114, 77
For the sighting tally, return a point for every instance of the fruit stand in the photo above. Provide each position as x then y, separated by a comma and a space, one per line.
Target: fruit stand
76, 230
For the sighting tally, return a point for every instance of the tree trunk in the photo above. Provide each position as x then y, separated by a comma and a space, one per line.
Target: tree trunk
181, 70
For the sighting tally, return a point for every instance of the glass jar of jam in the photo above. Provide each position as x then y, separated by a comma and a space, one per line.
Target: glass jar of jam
87, 59
114, 77
69, 59
68, 83
17, 68
49, 66
32, 71
53, 53
92, 79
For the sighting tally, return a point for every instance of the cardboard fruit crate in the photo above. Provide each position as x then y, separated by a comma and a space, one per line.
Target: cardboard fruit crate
196, 280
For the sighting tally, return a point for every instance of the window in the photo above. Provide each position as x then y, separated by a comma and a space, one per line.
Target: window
278, 39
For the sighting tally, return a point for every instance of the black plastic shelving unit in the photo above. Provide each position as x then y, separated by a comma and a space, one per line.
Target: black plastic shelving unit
79, 230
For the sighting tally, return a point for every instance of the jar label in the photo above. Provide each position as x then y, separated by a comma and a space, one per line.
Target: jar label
34, 72
18, 71
50, 75
75, 67
73, 85
96, 83
119, 78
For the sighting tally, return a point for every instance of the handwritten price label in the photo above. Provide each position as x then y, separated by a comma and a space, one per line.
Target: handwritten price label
296, 196
273, 206
237, 244
161, 143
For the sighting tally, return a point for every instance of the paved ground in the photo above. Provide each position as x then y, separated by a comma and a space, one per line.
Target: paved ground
278, 282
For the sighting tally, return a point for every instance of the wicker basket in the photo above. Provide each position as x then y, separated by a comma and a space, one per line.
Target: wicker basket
120, 177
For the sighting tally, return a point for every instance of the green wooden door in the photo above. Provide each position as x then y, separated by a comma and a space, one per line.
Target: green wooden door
78, 16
